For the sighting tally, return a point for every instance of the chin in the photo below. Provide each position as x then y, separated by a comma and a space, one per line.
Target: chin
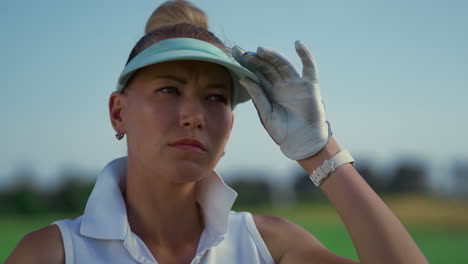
188, 171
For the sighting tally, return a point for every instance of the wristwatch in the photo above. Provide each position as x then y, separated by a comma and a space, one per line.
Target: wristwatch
329, 166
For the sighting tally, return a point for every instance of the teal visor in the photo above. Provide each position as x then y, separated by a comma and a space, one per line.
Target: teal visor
188, 49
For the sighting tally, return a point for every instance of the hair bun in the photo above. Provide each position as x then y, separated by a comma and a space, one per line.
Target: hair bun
176, 12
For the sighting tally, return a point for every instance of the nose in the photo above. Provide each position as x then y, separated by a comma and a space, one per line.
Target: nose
192, 114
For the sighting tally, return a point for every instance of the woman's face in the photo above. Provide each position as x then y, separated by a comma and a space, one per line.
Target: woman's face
172, 107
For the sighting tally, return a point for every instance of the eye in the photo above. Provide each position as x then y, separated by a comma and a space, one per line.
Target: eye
218, 98
169, 90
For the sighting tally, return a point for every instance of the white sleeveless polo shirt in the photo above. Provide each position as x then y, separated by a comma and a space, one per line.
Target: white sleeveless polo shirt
102, 234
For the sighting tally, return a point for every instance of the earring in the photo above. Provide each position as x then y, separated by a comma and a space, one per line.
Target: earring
119, 136
223, 154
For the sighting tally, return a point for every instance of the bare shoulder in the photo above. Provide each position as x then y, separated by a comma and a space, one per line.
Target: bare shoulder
281, 235
41, 246
290, 243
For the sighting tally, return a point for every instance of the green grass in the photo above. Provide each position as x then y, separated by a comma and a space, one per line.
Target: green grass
441, 232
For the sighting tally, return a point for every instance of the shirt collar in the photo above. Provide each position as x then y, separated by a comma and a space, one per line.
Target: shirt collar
105, 216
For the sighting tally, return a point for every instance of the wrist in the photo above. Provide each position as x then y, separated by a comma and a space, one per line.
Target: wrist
330, 149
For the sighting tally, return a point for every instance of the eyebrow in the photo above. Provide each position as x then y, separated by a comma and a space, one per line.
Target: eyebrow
183, 81
171, 77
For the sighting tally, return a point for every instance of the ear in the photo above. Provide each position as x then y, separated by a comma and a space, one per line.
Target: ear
117, 106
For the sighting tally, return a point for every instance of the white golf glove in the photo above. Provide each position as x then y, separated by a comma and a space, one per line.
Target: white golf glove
290, 106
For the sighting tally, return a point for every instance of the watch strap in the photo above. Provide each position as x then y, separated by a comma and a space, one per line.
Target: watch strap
329, 166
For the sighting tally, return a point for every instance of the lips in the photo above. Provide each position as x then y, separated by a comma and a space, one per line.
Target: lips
186, 144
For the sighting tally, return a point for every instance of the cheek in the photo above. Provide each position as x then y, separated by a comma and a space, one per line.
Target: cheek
222, 125
148, 117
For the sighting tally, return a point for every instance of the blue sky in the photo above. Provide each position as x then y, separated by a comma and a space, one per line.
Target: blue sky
393, 75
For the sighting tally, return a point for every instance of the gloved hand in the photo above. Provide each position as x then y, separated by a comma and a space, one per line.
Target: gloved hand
290, 106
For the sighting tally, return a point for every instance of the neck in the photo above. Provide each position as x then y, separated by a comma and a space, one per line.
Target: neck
163, 213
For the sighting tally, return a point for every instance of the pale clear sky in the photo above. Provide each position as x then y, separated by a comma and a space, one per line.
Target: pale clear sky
393, 75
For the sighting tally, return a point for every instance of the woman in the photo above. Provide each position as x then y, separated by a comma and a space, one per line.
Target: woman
165, 204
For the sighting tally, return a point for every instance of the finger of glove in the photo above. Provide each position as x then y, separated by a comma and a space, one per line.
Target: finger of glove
284, 66
309, 70
260, 99
263, 80
323, 103
238, 54
254, 62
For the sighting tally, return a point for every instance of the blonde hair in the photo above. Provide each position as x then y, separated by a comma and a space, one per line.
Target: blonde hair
176, 19
176, 12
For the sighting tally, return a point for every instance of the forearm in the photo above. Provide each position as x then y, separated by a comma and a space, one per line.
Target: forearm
377, 234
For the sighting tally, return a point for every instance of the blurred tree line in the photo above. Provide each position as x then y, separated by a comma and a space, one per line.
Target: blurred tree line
25, 198
253, 187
